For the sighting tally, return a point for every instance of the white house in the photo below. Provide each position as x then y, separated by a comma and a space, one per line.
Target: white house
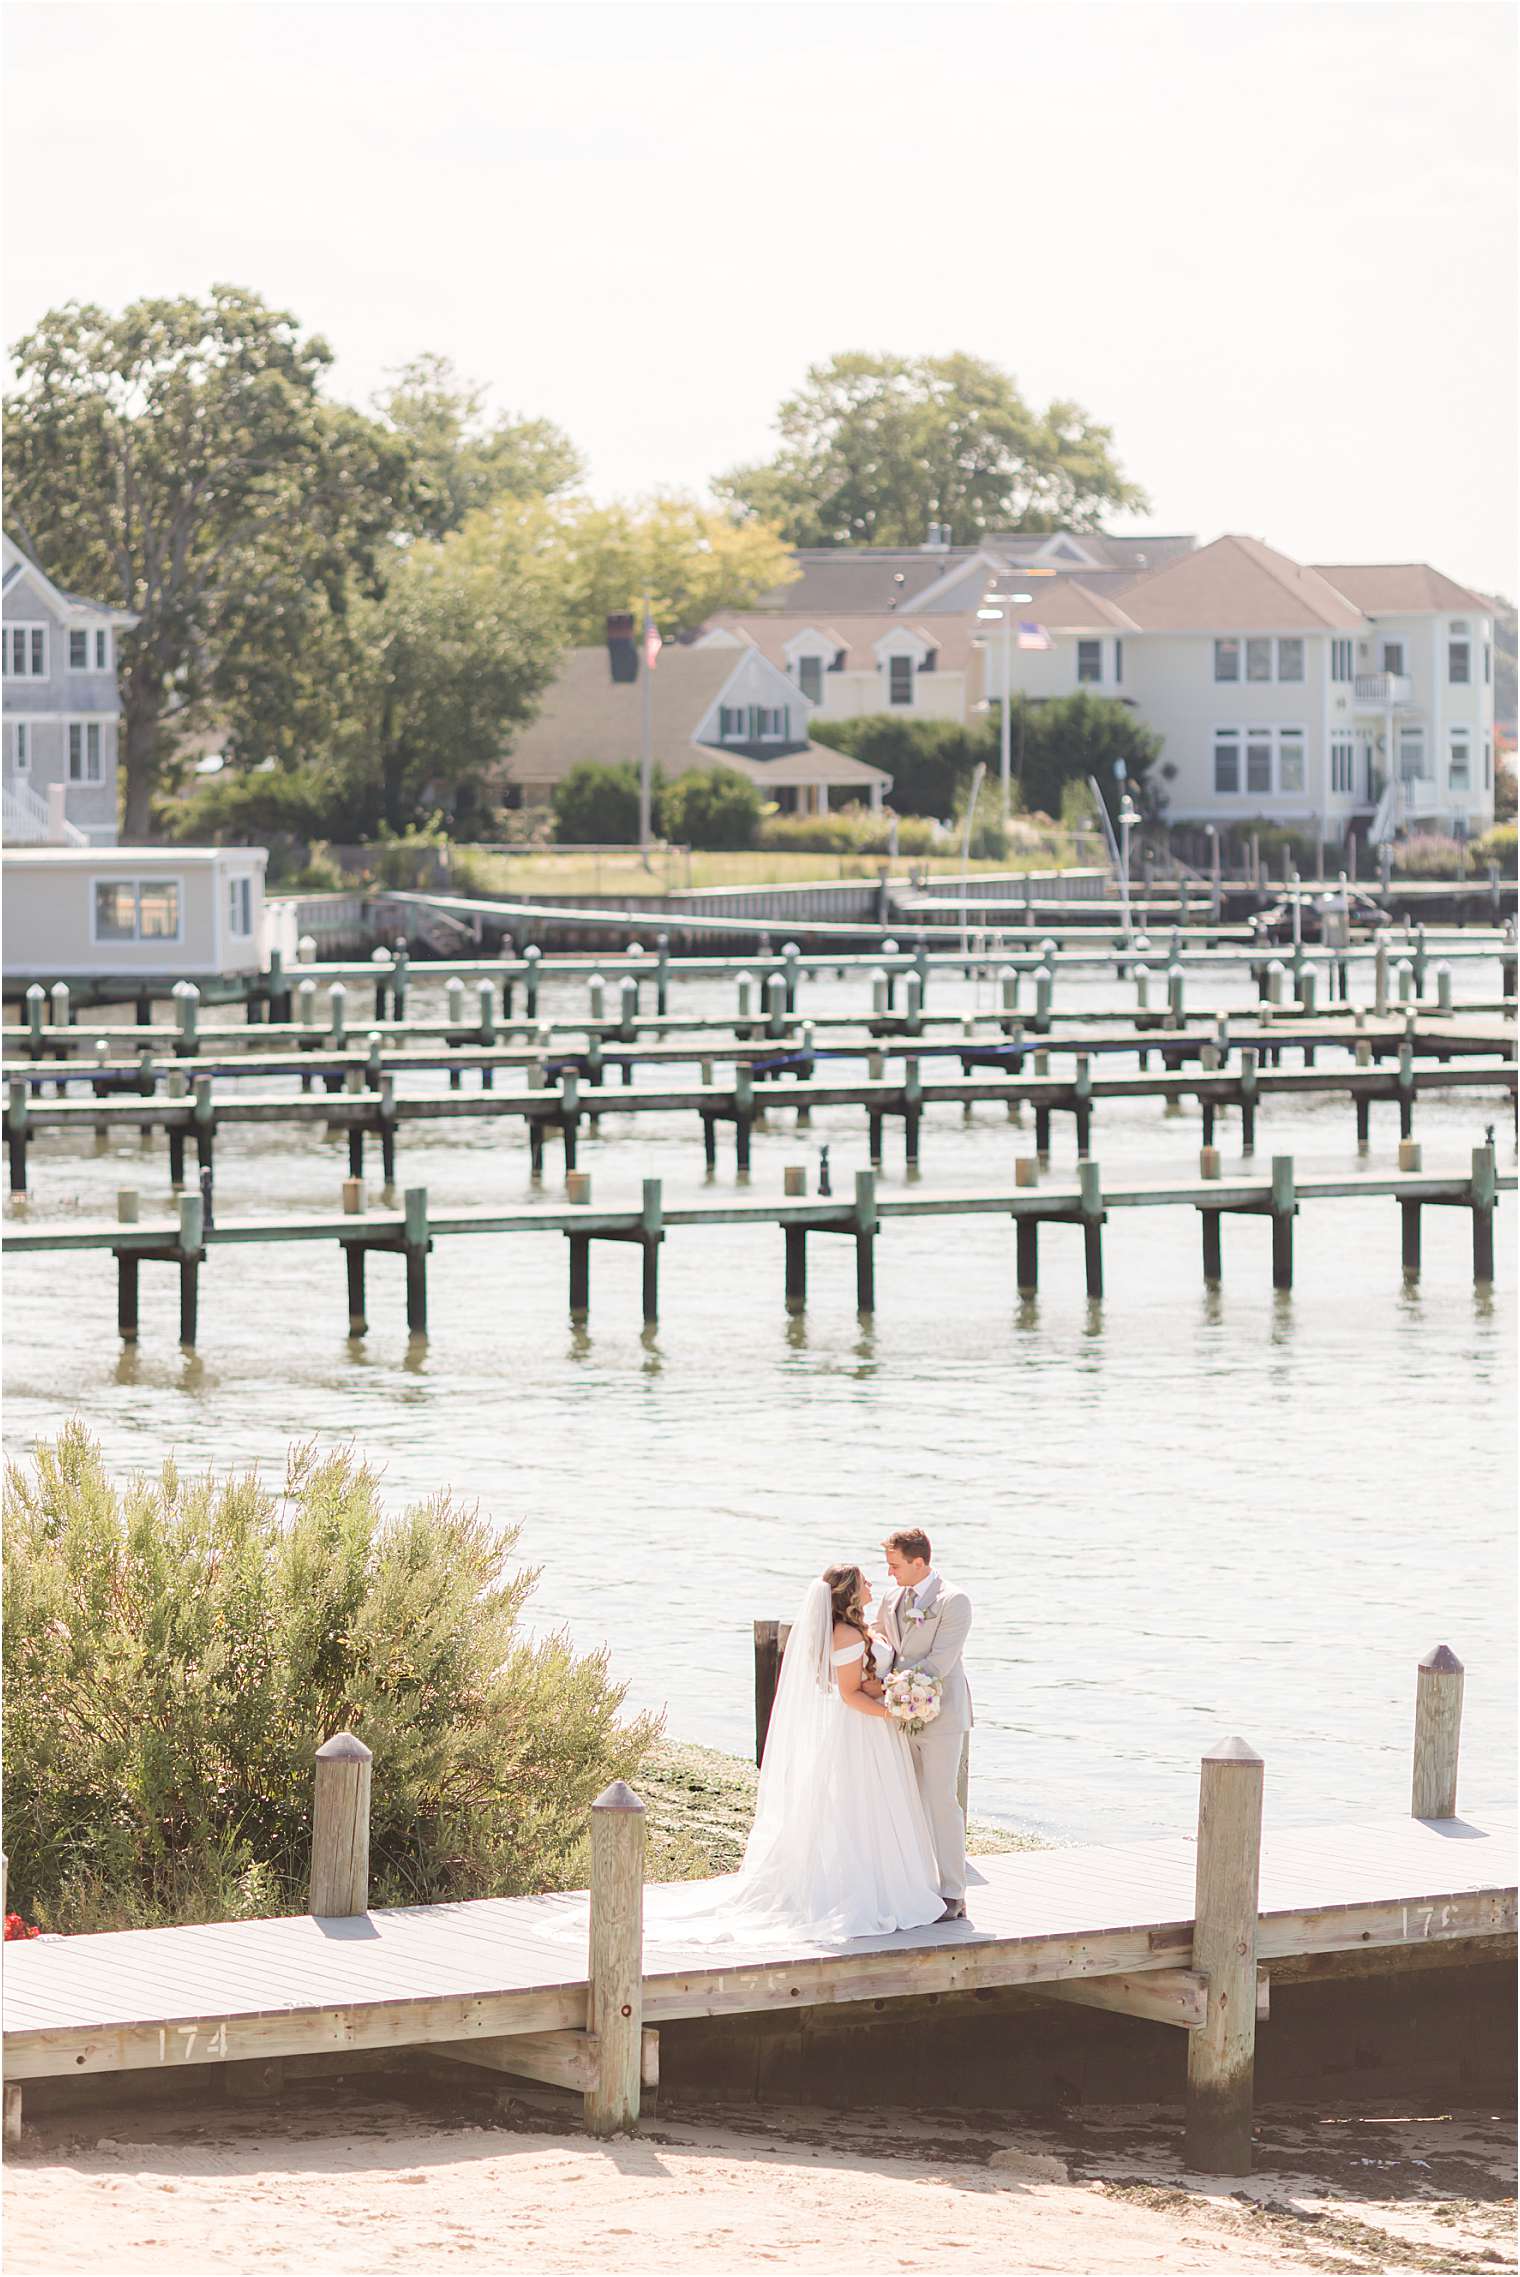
62, 709
134, 912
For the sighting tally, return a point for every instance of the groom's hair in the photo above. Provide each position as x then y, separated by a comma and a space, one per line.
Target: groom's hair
911, 1542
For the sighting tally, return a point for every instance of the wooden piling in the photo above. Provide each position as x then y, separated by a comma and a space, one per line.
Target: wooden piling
1437, 1734
1284, 1211
1485, 1200
340, 1829
1026, 1239
192, 1219
416, 1243
615, 1960
1090, 1183
1222, 2053
865, 1240
651, 1236
796, 1267
353, 1258
770, 1646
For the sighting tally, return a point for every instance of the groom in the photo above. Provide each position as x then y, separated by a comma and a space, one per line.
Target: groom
924, 1623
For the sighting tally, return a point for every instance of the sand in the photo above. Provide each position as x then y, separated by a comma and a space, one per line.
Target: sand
337, 2180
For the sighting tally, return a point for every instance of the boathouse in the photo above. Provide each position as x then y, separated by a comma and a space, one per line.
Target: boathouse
134, 912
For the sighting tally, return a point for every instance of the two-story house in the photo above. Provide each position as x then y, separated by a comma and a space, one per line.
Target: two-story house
723, 703
61, 710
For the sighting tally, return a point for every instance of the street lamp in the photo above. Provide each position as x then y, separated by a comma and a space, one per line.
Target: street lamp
997, 606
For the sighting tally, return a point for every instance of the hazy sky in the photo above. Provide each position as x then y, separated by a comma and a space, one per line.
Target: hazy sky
1272, 245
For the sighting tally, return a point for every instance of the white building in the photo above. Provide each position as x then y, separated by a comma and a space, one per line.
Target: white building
136, 912
62, 709
1326, 698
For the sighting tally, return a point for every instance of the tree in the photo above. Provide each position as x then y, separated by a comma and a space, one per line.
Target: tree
597, 806
711, 808
876, 447
465, 460
692, 560
929, 760
180, 460
446, 661
1071, 737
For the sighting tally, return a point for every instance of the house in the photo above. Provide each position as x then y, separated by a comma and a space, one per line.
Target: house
62, 708
717, 704
1335, 698
137, 913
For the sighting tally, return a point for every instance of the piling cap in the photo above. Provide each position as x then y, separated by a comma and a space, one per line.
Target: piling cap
618, 1797
1232, 1751
343, 1745
1442, 1660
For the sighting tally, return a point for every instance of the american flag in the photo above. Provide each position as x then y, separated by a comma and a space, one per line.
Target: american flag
1032, 635
652, 642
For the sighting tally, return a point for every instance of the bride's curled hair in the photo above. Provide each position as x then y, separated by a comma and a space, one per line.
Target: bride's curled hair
847, 1602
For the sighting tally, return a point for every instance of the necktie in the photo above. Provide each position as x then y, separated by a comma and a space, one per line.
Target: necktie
912, 1599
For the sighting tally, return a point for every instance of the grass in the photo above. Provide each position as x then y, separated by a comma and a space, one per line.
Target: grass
521, 876
701, 1803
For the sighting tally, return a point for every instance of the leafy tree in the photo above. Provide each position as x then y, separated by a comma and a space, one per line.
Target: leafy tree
464, 459
597, 806
179, 459
1062, 740
691, 559
876, 447
447, 660
712, 808
1072, 737
929, 760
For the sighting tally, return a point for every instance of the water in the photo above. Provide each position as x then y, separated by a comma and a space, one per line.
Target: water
1179, 1514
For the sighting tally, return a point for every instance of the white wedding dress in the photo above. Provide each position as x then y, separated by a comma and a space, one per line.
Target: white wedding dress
840, 1845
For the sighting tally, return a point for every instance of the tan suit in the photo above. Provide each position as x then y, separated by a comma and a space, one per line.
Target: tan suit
934, 1643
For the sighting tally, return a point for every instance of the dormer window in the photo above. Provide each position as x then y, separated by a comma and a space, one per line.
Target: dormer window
733, 721
899, 679
810, 677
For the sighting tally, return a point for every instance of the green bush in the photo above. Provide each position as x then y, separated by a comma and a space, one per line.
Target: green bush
1060, 740
176, 1649
1426, 854
848, 830
597, 806
715, 809
929, 760
1497, 845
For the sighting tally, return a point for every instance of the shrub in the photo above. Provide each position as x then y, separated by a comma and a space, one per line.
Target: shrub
1426, 854
712, 808
929, 760
1497, 845
597, 806
848, 830
176, 1649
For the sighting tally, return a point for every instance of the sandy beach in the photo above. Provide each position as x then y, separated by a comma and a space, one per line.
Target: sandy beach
352, 2183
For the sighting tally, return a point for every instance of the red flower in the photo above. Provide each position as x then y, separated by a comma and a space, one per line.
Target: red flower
16, 1927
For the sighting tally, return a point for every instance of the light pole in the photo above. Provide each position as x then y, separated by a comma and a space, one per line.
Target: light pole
995, 606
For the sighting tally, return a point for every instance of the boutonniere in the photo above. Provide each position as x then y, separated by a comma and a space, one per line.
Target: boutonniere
918, 1613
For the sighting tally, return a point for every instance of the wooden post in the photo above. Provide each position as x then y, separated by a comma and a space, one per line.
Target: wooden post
865, 1241
580, 1275
615, 1963
127, 1264
1410, 1213
770, 1648
653, 1235
1485, 1200
1090, 1182
1437, 1734
340, 1829
1284, 1210
417, 1243
191, 1228
1213, 1244
1222, 2053
353, 1255
796, 1267
17, 1102
1026, 1241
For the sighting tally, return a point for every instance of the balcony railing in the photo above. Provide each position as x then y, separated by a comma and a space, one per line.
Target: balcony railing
1384, 688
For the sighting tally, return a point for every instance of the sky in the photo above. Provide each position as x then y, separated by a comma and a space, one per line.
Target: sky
1272, 246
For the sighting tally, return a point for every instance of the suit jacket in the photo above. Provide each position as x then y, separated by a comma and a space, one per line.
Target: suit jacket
934, 1643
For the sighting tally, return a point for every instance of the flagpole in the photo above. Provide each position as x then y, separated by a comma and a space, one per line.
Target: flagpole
1007, 716
646, 750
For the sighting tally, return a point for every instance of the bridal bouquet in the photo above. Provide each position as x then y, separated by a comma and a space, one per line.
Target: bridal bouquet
911, 1698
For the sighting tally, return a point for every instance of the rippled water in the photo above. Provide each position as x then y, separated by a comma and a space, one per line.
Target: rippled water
1179, 1513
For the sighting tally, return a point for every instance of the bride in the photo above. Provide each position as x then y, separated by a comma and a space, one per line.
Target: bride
840, 1846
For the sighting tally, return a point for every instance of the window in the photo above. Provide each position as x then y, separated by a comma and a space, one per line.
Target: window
79, 652
768, 723
1459, 762
1393, 656
1411, 755
1258, 660
240, 907
1290, 660
84, 751
899, 679
21, 746
1226, 760
733, 720
1459, 662
1090, 660
102, 651
810, 677
1488, 663
1488, 763
1118, 663
1341, 666
1343, 764
25, 652
1227, 660
1290, 759
1259, 761
137, 909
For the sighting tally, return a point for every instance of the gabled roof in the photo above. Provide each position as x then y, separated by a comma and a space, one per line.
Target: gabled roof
1067, 604
1238, 585
19, 565
1402, 589
951, 637
862, 580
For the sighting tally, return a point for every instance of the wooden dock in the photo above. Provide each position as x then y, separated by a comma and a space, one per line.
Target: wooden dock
1185, 1931
411, 1232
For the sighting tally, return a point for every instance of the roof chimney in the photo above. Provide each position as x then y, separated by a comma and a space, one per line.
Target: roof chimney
622, 654
938, 540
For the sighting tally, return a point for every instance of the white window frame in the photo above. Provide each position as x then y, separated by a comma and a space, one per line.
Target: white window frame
82, 724
901, 661
1229, 736
102, 649
1343, 765
1383, 648
1454, 678
1290, 737
1292, 742
738, 731
1259, 641
31, 626
1230, 641
1292, 679
1342, 653
1411, 736
1459, 751
240, 906
20, 753
136, 887
1093, 679
759, 714
815, 663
